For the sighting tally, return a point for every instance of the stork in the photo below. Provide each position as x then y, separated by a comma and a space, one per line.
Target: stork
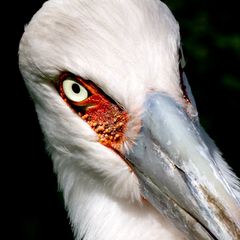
121, 124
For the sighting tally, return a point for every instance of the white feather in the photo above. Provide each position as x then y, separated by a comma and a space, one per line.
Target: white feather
123, 46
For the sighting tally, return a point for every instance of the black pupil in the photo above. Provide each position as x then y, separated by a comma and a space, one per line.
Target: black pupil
76, 88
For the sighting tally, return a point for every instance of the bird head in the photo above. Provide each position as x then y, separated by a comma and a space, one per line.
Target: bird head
112, 99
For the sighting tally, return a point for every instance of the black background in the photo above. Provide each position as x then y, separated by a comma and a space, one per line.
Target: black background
211, 42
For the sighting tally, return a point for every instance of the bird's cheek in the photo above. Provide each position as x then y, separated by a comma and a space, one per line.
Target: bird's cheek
109, 121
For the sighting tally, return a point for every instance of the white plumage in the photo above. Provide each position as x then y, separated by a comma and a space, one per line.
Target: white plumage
128, 49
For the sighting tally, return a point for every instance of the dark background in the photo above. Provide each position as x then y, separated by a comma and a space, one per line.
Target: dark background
211, 43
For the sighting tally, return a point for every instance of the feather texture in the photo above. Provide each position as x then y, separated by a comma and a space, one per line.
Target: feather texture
128, 48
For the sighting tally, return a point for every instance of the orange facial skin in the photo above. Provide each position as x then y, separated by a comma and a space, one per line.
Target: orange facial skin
104, 116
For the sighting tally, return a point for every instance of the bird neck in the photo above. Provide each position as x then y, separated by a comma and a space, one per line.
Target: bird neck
96, 214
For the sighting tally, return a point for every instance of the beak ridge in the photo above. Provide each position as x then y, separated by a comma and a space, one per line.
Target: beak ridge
177, 173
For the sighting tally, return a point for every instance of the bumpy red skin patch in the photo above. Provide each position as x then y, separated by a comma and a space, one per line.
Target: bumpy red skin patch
105, 117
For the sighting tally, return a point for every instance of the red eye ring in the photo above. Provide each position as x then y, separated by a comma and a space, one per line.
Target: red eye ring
103, 114
181, 72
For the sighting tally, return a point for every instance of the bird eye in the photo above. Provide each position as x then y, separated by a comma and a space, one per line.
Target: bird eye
74, 91
182, 61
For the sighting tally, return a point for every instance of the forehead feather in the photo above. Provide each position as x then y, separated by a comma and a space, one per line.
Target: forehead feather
109, 42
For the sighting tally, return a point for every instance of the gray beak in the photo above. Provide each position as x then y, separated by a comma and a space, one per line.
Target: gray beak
180, 172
